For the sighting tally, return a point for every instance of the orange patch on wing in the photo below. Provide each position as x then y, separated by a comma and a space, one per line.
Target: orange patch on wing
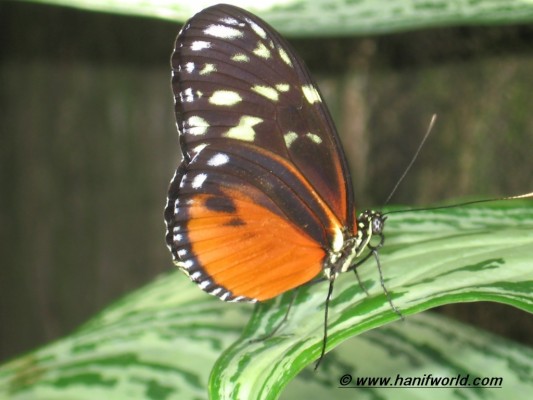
251, 251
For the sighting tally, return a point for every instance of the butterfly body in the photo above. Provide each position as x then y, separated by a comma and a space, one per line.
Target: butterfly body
262, 202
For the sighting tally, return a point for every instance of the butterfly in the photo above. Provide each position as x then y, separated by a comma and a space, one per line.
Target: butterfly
262, 202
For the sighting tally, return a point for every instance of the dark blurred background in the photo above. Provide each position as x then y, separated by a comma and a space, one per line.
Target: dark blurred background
88, 145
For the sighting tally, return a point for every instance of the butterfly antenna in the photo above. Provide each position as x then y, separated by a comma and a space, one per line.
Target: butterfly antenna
326, 313
430, 127
467, 203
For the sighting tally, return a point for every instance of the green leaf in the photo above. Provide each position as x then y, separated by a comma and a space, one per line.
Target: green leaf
327, 17
158, 343
162, 341
423, 345
430, 258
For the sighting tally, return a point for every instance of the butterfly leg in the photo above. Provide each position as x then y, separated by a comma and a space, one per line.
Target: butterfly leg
374, 252
354, 267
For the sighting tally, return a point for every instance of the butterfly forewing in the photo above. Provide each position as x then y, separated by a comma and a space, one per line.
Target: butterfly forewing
263, 191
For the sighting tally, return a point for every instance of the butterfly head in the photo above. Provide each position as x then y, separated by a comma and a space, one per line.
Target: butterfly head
370, 223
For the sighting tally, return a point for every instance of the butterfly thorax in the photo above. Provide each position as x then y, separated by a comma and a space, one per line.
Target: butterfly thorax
369, 223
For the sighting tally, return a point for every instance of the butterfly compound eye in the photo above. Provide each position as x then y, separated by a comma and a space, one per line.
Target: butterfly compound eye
378, 222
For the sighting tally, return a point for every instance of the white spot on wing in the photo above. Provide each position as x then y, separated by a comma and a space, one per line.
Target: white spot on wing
204, 284
311, 94
197, 125
266, 91
218, 160
225, 296
208, 68
314, 137
231, 21
285, 57
196, 275
244, 131
262, 51
182, 182
187, 96
198, 181
198, 45
237, 299
199, 148
240, 57
225, 98
257, 29
283, 87
189, 67
223, 32
289, 138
